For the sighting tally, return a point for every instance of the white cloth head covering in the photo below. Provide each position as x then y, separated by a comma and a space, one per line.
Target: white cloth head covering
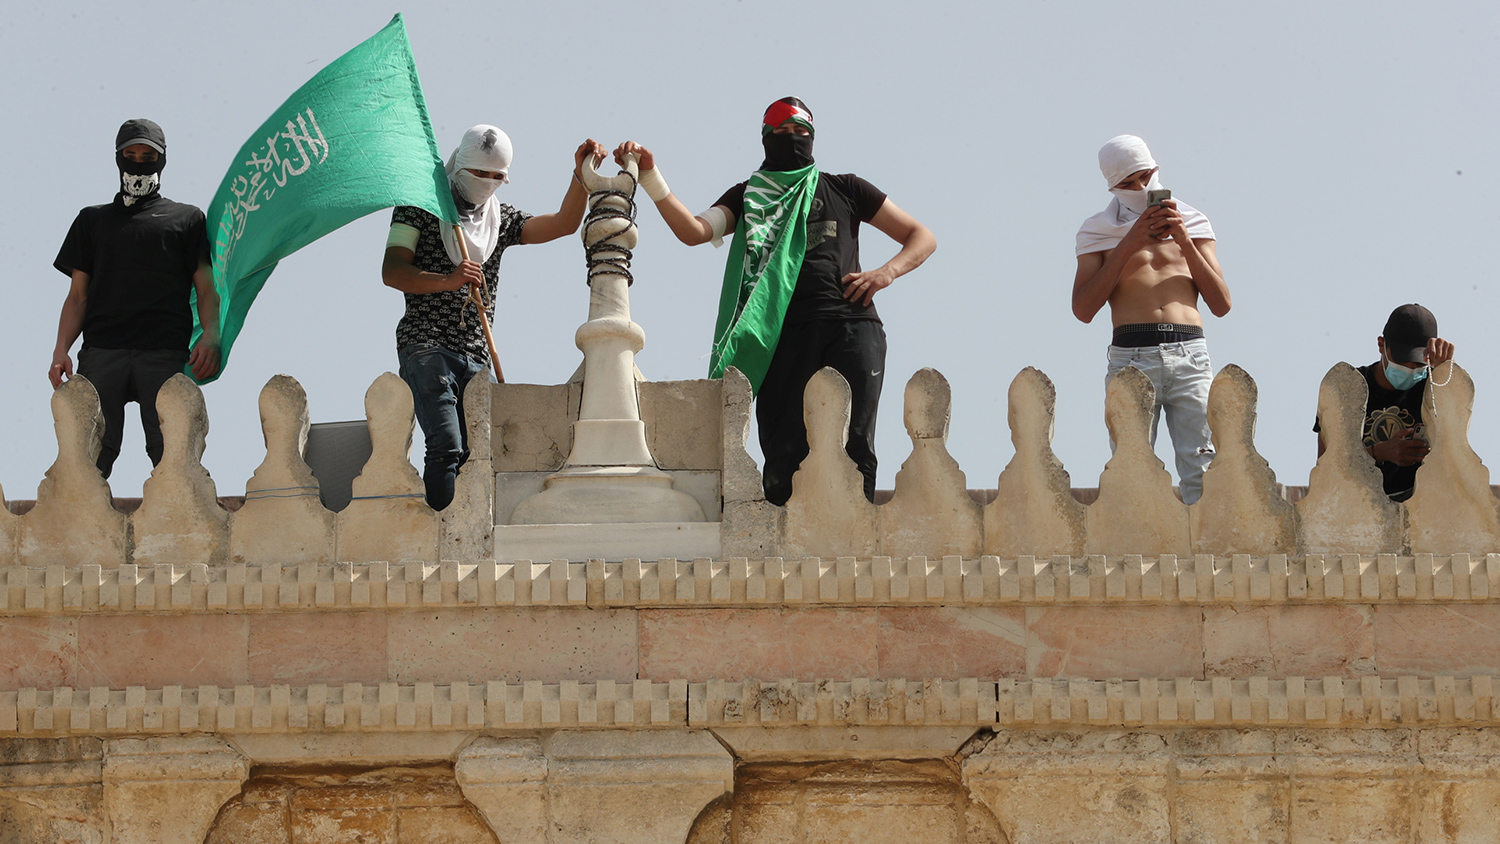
483, 147
1121, 156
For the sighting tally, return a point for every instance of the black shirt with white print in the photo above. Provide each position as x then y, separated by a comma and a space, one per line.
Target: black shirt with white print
1387, 414
841, 202
446, 318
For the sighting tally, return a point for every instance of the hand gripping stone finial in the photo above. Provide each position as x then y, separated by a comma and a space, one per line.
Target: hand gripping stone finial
930, 513
1136, 512
1034, 512
610, 475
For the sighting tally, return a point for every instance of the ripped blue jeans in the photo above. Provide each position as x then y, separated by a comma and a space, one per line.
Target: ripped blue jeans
1182, 374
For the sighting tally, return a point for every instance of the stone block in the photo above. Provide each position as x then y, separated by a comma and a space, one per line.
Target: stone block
1345, 509
931, 512
500, 644
38, 652
1461, 812
1277, 641
1428, 640
74, 521
683, 419
828, 514
806, 644
283, 520
952, 642
533, 426
1242, 510
156, 651
1452, 509
168, 790
1136, 512
388, 518
1371, 811
1121, 642
1034, 512
304, 648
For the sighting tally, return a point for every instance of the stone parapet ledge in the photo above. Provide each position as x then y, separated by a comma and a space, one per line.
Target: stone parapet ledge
1255, 701
739, 582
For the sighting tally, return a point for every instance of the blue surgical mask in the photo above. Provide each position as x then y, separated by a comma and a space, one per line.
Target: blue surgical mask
1402, 378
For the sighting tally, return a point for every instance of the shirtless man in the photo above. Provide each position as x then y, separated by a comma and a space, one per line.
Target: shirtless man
1150, 265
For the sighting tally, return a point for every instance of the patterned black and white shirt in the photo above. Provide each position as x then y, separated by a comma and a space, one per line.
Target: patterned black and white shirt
435, 317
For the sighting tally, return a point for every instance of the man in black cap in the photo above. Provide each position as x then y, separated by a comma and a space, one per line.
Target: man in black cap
795, 297
1393, 433
134, 264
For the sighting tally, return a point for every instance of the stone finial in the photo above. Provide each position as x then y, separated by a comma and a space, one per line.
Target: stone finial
469, 522
1241, 511
1034, 511
752, 525
1346, 509
1452, 509
388, 518
180, 520
1136, 512
931, 512
828, 515
10, 529
74, 521
283, 520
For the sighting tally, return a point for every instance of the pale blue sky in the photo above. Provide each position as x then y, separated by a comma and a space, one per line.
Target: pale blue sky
1345, 152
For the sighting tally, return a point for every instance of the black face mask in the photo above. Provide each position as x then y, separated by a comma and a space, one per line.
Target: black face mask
139, 179
787, 151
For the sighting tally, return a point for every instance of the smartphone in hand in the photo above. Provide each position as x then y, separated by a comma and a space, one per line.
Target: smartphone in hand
1154, 197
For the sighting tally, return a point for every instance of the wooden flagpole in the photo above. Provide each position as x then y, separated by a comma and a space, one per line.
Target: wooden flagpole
476, 295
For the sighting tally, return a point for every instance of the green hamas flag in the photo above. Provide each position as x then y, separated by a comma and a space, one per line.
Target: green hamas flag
353, 140
770, 241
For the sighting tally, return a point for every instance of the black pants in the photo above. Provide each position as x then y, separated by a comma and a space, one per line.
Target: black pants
856, 349
126, 375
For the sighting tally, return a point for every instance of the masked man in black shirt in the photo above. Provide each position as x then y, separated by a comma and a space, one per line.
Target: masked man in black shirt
1393, 433
134, 265
794, 298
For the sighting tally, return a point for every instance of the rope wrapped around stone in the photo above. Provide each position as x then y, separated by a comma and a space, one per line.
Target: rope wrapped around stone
598, 213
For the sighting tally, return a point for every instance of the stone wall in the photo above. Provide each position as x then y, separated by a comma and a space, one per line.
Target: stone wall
1032, 669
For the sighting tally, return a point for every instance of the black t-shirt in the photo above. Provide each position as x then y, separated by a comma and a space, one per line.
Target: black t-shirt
841, 202
140, 260
446, 317
1387, 414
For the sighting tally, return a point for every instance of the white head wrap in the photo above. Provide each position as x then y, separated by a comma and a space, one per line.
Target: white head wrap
482, 148
1121, 156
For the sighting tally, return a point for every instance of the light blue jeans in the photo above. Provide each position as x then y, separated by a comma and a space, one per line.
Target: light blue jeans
1182, 374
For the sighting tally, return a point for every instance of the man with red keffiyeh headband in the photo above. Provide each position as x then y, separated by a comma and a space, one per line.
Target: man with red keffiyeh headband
794, 298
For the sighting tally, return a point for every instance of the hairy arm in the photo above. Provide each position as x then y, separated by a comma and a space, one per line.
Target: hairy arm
398, 271
69, 326
917, 244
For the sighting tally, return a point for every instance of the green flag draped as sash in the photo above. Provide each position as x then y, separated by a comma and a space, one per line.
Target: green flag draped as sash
353, 140
770, 239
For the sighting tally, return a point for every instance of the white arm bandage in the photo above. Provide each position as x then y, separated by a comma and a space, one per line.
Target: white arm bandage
718, 221
654, 185
403, 236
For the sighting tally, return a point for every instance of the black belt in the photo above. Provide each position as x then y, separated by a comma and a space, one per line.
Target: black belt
1139, 334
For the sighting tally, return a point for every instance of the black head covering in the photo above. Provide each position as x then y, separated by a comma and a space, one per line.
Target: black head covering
786, 151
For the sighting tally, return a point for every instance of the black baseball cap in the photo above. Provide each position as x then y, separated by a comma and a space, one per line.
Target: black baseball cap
141, 131
1406, 333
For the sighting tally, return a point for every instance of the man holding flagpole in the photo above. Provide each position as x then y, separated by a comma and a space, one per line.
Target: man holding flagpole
440, 341
794, 298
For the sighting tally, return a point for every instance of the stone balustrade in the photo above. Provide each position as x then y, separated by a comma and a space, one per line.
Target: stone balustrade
1033, 513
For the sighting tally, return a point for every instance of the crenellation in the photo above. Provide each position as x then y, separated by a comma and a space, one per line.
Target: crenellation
180, 520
